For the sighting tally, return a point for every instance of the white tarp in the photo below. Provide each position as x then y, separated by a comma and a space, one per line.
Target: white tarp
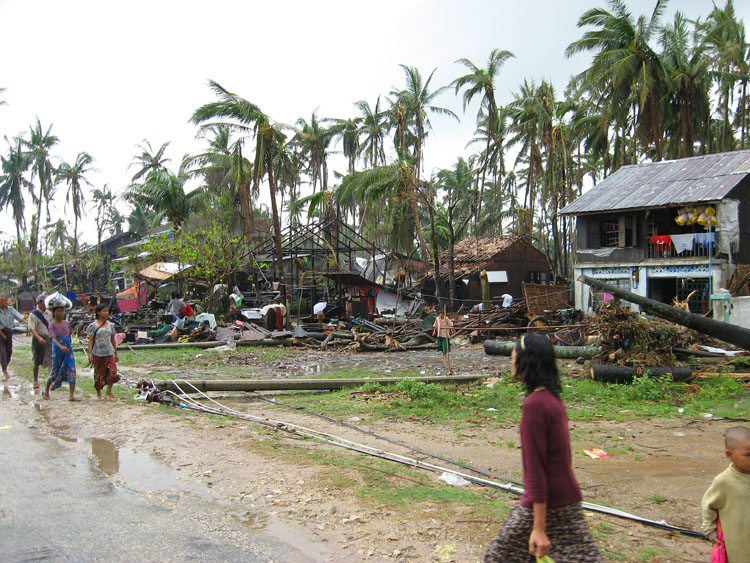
497, 276
729, 225
386, 301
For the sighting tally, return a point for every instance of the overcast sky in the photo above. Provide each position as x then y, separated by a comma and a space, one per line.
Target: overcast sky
107, 75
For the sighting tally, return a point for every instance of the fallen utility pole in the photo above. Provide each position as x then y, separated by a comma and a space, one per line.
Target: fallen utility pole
505, 348
733, 334
626, 374
179, 385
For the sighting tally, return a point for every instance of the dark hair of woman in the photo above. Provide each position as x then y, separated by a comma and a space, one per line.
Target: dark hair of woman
100, 307
536, 365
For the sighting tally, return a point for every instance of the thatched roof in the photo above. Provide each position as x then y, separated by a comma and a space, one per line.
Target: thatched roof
470, 254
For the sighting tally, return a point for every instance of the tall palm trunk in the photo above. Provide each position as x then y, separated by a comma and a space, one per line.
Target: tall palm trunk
276, 221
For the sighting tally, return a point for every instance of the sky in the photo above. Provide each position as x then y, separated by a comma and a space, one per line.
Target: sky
109, 75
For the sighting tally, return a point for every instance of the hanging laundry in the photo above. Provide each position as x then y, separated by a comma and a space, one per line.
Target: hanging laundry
705, 238
662, 240
682, 242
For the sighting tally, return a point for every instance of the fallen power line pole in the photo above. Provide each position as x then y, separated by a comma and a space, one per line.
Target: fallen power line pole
300, 384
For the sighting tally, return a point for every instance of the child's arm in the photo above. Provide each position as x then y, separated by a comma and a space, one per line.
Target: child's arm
713, 500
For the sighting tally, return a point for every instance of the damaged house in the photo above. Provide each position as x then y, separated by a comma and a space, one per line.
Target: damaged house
510, 260
665, 230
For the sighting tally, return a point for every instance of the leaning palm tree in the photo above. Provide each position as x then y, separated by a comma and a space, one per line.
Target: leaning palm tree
75, 176
39, 144
248, 120
13, 182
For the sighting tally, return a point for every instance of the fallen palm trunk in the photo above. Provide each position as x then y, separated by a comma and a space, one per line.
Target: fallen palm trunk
505, 348
737, 335
624, 374
180, 385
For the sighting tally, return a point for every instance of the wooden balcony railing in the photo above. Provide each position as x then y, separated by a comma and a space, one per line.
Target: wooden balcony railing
654, 250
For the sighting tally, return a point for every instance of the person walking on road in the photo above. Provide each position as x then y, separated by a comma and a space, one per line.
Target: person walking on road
63, 360
549, 518
8, 316
41, 347
103, 351
442, 329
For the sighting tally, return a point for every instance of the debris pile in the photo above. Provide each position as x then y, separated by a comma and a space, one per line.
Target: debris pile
628, 339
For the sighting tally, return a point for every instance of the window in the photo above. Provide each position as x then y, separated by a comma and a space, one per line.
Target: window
610, 233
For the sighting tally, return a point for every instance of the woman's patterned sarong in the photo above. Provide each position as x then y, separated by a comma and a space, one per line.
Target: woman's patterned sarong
63, 368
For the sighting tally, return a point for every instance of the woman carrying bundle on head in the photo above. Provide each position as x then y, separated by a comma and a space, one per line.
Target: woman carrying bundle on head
63, 368
549, 519
103, 351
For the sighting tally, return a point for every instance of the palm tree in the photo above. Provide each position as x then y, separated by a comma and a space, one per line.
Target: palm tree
456, 210
103, 201
57, 236
627, 66
13, 182
247, 119
163, 192
373, 129
149, 160
724, 35
140, 220
686, 64
39, 144
313, 140
481, 82
75, 175
410, 108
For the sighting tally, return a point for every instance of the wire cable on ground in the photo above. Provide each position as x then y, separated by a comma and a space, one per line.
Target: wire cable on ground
189, 403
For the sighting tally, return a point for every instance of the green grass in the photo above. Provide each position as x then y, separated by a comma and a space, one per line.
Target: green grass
585, 399
378, 481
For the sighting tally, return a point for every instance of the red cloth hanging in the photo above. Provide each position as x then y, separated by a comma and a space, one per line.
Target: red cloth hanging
665, 240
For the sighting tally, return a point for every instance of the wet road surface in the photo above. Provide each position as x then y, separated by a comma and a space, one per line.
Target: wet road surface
59, 504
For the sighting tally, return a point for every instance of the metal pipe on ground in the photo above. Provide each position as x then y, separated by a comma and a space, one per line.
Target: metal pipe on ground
733, 334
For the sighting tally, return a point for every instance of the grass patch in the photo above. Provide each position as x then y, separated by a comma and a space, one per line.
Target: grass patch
378, 481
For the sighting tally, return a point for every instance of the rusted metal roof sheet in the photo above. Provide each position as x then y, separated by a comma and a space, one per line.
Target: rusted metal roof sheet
660, 184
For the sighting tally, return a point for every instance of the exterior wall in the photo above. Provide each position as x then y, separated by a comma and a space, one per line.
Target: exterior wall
647, 272
742, 193
734, 310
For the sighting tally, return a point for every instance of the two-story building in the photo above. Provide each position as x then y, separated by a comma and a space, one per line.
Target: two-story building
665, 230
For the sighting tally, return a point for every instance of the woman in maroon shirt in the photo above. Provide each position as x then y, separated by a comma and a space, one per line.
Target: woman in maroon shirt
549, 518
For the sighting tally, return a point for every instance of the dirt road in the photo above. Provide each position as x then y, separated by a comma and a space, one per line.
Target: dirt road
659, 469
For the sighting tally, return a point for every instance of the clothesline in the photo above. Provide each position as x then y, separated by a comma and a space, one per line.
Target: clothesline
683, 242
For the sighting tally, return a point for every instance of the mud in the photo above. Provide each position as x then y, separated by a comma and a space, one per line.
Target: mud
658, 468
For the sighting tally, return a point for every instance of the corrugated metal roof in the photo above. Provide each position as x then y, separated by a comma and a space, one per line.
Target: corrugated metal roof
659, 184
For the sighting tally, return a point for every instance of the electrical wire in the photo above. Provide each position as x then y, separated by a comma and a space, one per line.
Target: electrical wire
189, 403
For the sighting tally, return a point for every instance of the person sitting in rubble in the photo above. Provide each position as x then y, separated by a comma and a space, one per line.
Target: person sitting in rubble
180, 327
175, 305
478, 308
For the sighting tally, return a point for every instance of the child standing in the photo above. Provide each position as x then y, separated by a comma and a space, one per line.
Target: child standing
442, 329
727, 500
103, 351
